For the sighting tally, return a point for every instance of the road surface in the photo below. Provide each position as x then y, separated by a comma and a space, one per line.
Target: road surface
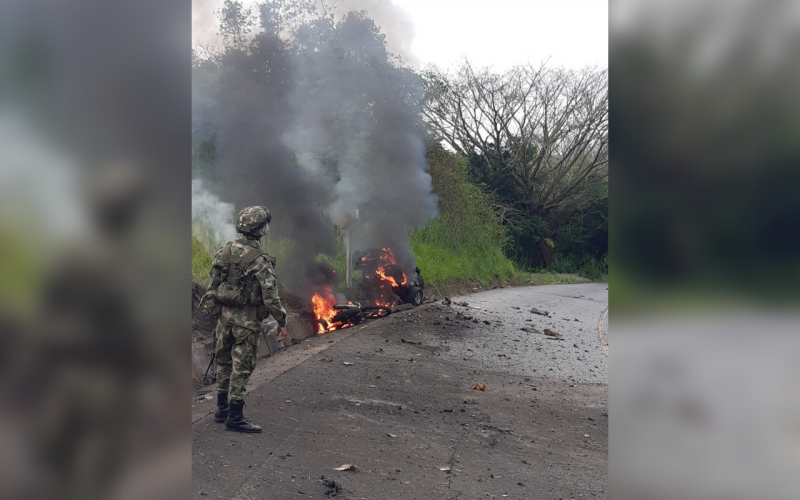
402, 409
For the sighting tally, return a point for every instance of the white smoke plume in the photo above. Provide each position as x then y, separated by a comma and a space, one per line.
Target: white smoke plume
213, 220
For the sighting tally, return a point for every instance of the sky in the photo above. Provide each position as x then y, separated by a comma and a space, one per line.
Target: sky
495, 33
503, 33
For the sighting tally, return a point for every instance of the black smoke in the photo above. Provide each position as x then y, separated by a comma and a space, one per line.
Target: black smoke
316, 125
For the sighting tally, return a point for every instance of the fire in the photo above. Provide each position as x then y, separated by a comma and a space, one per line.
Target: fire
323, 309
381, 271
384, 281
384, 277
387, 259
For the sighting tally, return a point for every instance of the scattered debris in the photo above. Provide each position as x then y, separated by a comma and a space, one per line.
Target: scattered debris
480, 386
393, 436
530, 329
462, 304
295, 341
586, 435
540, 312
515, 307
347, 363
550, 333
496, 477
447, 301
327, 360
333, 488
410, 342
445, 469
347, 467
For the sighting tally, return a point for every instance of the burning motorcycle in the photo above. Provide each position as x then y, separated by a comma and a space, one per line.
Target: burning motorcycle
384, 282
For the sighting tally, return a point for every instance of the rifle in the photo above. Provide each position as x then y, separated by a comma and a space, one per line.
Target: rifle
211, 362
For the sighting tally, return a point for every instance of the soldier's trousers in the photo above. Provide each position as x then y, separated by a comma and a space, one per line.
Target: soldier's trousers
235, 358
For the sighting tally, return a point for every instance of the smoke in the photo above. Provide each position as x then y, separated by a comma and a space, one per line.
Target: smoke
204, 22
316, 127
364, 121
393, 21
212, 219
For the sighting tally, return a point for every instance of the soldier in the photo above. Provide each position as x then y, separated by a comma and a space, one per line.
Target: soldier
243, 277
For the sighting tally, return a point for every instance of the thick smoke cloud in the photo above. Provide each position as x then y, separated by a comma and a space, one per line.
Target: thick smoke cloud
247, 116
315, 128
360, 113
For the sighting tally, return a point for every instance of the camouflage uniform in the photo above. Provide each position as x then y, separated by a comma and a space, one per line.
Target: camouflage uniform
238, 328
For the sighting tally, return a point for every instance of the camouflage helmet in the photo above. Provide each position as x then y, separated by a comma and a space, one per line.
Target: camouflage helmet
254, 221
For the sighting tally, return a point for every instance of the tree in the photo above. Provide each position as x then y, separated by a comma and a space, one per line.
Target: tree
543, 130
235, 23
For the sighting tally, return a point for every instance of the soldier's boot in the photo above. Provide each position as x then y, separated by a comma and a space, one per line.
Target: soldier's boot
237, 422
223, 409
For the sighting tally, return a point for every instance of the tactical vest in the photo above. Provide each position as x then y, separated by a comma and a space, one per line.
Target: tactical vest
236, 289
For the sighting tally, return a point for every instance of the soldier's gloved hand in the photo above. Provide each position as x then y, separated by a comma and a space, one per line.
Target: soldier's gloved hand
281, 333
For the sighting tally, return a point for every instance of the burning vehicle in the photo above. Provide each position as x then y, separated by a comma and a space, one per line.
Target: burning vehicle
384, 282
383, 287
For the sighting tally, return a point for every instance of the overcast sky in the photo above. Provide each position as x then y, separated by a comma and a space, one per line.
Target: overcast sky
502, 33
497, 33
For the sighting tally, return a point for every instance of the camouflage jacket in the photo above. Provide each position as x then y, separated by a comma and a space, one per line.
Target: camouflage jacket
262, 271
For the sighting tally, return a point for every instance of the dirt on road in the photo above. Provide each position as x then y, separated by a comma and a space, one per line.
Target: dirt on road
395, 398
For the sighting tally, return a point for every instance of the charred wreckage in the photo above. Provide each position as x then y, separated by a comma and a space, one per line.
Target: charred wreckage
383, 288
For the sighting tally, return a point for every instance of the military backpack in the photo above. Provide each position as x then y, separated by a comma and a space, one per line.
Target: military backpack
235, 286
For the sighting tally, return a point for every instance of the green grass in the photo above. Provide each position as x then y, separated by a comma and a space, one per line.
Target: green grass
201, 263
21, 272
444, 265
549, 278
586, 267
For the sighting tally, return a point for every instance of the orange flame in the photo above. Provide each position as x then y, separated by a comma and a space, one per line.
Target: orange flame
323, 309
382, 273
386, 259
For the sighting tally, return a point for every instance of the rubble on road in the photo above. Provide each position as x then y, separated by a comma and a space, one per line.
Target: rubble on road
333, 488
350, 467
540, 312
550, 333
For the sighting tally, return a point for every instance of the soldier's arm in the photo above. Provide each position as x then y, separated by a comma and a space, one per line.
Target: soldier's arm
216, 270
265, 273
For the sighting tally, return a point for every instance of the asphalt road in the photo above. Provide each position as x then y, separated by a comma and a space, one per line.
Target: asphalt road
405, 415
576, 313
